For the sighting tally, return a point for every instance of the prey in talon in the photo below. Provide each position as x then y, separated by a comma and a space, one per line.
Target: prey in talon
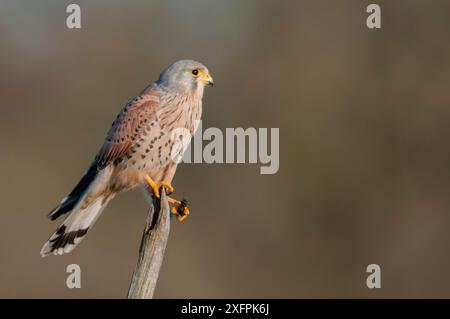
139, 150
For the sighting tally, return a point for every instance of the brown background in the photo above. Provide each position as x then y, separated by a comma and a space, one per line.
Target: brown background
364, 123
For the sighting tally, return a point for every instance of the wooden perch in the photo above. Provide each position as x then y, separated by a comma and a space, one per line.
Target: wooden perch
151, 251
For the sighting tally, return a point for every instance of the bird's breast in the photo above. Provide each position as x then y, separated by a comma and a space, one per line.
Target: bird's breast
163, 142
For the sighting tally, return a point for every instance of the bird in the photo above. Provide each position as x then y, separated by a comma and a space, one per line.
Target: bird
139, 150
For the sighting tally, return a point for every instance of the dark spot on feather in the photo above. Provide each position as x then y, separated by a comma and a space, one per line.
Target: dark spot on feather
63, 239
61, 230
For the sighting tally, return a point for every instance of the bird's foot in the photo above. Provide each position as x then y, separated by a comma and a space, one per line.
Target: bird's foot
169, 188
156, 187
153, 186
179, 208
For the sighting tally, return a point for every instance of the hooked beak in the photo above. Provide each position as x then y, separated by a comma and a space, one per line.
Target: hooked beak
208, 80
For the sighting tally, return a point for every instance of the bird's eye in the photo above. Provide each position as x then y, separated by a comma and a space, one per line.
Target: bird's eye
196, 72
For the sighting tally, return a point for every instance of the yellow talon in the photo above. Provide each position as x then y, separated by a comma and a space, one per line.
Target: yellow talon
178, 208
185, 214
154, 187
168, 187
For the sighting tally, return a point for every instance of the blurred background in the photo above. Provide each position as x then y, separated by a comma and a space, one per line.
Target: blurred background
364, 118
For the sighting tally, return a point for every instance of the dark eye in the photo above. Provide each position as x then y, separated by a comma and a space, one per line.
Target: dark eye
195, 72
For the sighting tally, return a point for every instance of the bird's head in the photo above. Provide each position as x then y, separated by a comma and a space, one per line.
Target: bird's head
185, 76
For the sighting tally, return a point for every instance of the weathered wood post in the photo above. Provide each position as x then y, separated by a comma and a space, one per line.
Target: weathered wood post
151, 251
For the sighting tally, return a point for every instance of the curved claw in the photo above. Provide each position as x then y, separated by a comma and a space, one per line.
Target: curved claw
155, 187
169, 188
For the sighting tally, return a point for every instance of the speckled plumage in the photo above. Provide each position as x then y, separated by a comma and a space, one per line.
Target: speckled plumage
147, 145
139, 142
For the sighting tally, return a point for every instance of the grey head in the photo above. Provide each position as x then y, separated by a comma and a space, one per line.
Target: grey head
185, 77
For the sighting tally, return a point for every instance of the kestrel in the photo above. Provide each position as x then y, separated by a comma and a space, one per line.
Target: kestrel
138, 150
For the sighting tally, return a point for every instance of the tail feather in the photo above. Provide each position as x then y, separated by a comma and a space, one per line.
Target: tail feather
83, 205
74, 228
68, 203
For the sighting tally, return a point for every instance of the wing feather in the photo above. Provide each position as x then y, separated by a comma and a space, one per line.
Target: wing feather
128, 127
